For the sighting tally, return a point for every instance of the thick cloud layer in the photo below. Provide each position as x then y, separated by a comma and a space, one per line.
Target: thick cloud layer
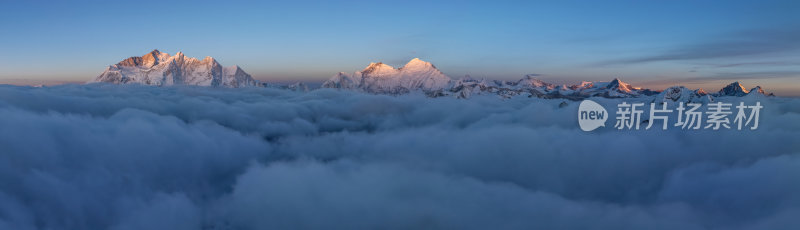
137, 157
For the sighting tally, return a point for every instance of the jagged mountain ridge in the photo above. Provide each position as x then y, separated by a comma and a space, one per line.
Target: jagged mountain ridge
380, 78
738, 90
423, 76
683, 94
161, 69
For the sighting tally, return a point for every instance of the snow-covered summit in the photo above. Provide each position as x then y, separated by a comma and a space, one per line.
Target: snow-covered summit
379, 70
530, 81
736, 89
733, 89
620, 86
343, 80
161, 69
382, 78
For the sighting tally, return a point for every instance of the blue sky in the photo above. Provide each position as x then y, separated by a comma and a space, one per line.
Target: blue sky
648, 43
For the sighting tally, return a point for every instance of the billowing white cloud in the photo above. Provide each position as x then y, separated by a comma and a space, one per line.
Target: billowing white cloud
136, 157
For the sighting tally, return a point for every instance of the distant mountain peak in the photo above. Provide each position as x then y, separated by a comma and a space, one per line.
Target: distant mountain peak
417, 60
733, 89
379, 69
419, 67
531, 80
759, 90
620, 85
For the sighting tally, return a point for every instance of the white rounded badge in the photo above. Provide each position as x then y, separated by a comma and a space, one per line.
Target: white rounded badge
591, 115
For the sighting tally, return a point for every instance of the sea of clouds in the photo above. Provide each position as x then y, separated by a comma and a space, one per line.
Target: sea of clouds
139, 157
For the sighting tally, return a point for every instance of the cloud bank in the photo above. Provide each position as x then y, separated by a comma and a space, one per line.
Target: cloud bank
137, 157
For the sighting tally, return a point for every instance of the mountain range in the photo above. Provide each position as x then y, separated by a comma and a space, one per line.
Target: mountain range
421, 76
161, 69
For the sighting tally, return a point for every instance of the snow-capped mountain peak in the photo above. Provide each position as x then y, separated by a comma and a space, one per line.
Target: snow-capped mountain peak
530, 80
161, 69
759, 91
416, 63
417, 67
382, 78
379, 70
619, 85
154, 58
343, 80
733, 89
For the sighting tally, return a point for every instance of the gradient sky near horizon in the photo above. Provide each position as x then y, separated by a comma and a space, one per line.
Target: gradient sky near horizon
700, 44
